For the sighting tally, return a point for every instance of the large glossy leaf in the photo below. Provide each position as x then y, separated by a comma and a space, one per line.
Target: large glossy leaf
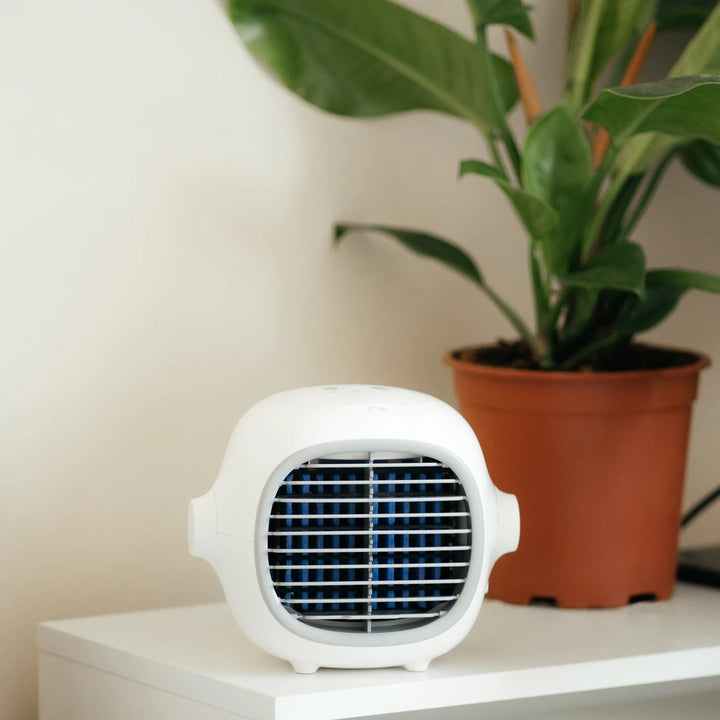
686, 107
557, 168
616, 267
371, 58
513, 13
537, 216
423, 244
702, 159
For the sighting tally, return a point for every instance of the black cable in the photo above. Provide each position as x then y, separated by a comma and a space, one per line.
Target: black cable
700, 505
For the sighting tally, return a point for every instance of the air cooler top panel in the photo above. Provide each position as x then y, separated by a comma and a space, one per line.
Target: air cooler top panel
353, 526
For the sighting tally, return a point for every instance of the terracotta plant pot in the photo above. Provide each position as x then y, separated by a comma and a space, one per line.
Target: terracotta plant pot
597, 461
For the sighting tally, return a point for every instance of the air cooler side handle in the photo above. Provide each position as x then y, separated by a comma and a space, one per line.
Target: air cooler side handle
202, 527
508, 523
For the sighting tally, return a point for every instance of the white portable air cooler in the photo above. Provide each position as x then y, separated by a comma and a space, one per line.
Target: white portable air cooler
353, 527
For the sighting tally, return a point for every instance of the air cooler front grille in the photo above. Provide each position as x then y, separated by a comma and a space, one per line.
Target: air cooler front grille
369, 545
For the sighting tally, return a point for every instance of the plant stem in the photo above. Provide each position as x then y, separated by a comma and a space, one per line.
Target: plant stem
581, 55
573, 15
497, 157
630, 76
612, 228
591, 238
558, 306
648, 192
543, 316
511, 148
503, 128
515, 320
588, 350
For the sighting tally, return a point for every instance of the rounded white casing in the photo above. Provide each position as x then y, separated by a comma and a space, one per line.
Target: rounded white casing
228, 525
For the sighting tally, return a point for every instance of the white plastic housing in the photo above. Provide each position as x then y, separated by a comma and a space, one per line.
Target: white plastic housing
228, 526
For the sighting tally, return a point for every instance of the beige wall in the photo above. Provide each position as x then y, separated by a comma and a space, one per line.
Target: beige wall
165, 215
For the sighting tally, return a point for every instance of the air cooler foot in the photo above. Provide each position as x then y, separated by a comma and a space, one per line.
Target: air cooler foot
302, 667
417, 665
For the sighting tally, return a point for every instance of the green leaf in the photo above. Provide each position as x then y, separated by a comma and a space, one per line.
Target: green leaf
371, 58
583, 31
686, 107
602, 31
581, 304
449, 254
675, 14
684, 279
537, 216
618, 24
702, 159
701, 56
647, 312
502, 12
478, 167
423, 244
557, 168
615, 267
664, 288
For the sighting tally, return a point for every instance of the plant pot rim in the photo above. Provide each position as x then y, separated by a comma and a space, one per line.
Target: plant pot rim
451, 359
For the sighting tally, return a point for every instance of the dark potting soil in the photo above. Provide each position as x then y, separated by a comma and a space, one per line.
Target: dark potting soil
636, 356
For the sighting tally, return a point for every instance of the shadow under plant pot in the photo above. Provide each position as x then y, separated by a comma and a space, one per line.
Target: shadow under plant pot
597, 461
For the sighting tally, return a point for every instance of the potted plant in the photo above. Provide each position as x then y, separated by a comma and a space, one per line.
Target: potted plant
587, 426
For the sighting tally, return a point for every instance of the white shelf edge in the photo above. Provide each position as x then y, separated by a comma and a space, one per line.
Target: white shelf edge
501, 686
182, 683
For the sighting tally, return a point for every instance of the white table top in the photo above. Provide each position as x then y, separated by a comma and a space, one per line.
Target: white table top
512, 652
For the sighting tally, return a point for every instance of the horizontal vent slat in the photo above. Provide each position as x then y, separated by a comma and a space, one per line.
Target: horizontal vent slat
428, 530
363, 583
367, 516
375, 481
295, 499
344, 551
380, 615
376, 566
386, 465
311, 498
368, 601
